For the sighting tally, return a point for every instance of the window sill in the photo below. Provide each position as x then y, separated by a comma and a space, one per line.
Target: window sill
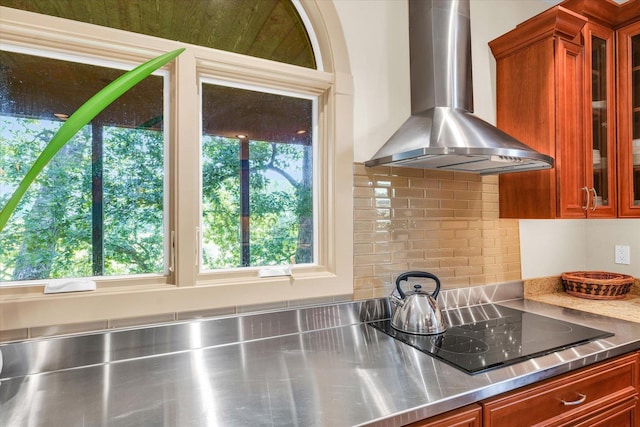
28, 307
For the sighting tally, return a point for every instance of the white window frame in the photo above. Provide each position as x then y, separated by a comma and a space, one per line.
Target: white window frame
187, 289
204, 78
165, 74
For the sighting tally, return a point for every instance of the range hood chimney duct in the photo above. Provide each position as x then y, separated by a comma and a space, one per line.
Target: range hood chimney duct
441, 132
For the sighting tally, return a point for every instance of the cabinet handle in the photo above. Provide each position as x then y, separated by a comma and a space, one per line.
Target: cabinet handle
581, 399
595, 197
586, 190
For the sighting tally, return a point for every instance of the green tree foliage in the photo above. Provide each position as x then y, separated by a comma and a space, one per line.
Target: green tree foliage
220, 202
52, 223
133, 201
280, 199
50, 234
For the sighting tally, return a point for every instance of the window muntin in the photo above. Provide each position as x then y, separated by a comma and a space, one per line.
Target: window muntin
257, 178
98, 208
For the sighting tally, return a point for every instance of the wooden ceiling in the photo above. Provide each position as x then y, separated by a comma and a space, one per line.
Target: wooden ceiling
270, 29
39, 87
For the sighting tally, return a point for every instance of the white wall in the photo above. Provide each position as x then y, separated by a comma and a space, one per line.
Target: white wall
601, 238
376, 33
377, 37
549, 247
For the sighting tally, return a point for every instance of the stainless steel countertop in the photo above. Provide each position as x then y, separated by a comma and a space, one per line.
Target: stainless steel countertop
319, 366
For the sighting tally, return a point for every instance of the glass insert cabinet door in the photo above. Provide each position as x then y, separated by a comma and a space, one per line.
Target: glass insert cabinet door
629, 120
635, 143
601, 156
600, 151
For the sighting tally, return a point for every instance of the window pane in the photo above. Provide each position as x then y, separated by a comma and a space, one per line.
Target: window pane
97, 207
257, 169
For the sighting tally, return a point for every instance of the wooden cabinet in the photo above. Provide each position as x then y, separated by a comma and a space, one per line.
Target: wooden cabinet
628, 44
556, 91
468, 416
603, 395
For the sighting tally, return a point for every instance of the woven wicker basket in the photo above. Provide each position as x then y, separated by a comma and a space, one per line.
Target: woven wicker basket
597, 284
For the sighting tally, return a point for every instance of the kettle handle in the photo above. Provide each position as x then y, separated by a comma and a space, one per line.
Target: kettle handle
424, 274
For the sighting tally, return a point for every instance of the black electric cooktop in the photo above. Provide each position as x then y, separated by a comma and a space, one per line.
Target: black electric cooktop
512, 337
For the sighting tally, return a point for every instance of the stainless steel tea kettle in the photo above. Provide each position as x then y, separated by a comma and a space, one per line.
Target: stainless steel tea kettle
417, 312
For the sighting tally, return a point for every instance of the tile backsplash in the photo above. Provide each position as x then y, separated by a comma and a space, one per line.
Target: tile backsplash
438, 221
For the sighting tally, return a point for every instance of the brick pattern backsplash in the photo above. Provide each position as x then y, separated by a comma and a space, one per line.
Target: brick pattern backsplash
438, 221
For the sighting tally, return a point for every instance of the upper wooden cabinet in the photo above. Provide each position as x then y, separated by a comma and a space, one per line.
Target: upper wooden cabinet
560, 90
628, 43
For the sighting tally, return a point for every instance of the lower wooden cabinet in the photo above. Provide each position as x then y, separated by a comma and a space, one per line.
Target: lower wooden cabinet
468, 416
605, 394
622, 415
602, 395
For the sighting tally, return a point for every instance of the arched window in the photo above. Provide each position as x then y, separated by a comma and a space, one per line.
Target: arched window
219, 165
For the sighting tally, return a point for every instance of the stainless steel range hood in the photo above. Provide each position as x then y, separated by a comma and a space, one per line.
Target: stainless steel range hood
441, 132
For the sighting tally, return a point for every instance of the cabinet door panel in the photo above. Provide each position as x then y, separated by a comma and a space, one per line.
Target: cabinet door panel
622, 415
628, 40
600, 129
469, 416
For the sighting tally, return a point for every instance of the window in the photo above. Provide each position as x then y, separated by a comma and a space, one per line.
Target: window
163, 213
257, 178
97, 209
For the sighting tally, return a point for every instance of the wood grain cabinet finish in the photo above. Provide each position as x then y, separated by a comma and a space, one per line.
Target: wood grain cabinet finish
605, 394
468, 416
557, 87
628, 54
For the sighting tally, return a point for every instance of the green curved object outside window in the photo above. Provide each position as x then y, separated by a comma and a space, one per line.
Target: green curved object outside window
81, 117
